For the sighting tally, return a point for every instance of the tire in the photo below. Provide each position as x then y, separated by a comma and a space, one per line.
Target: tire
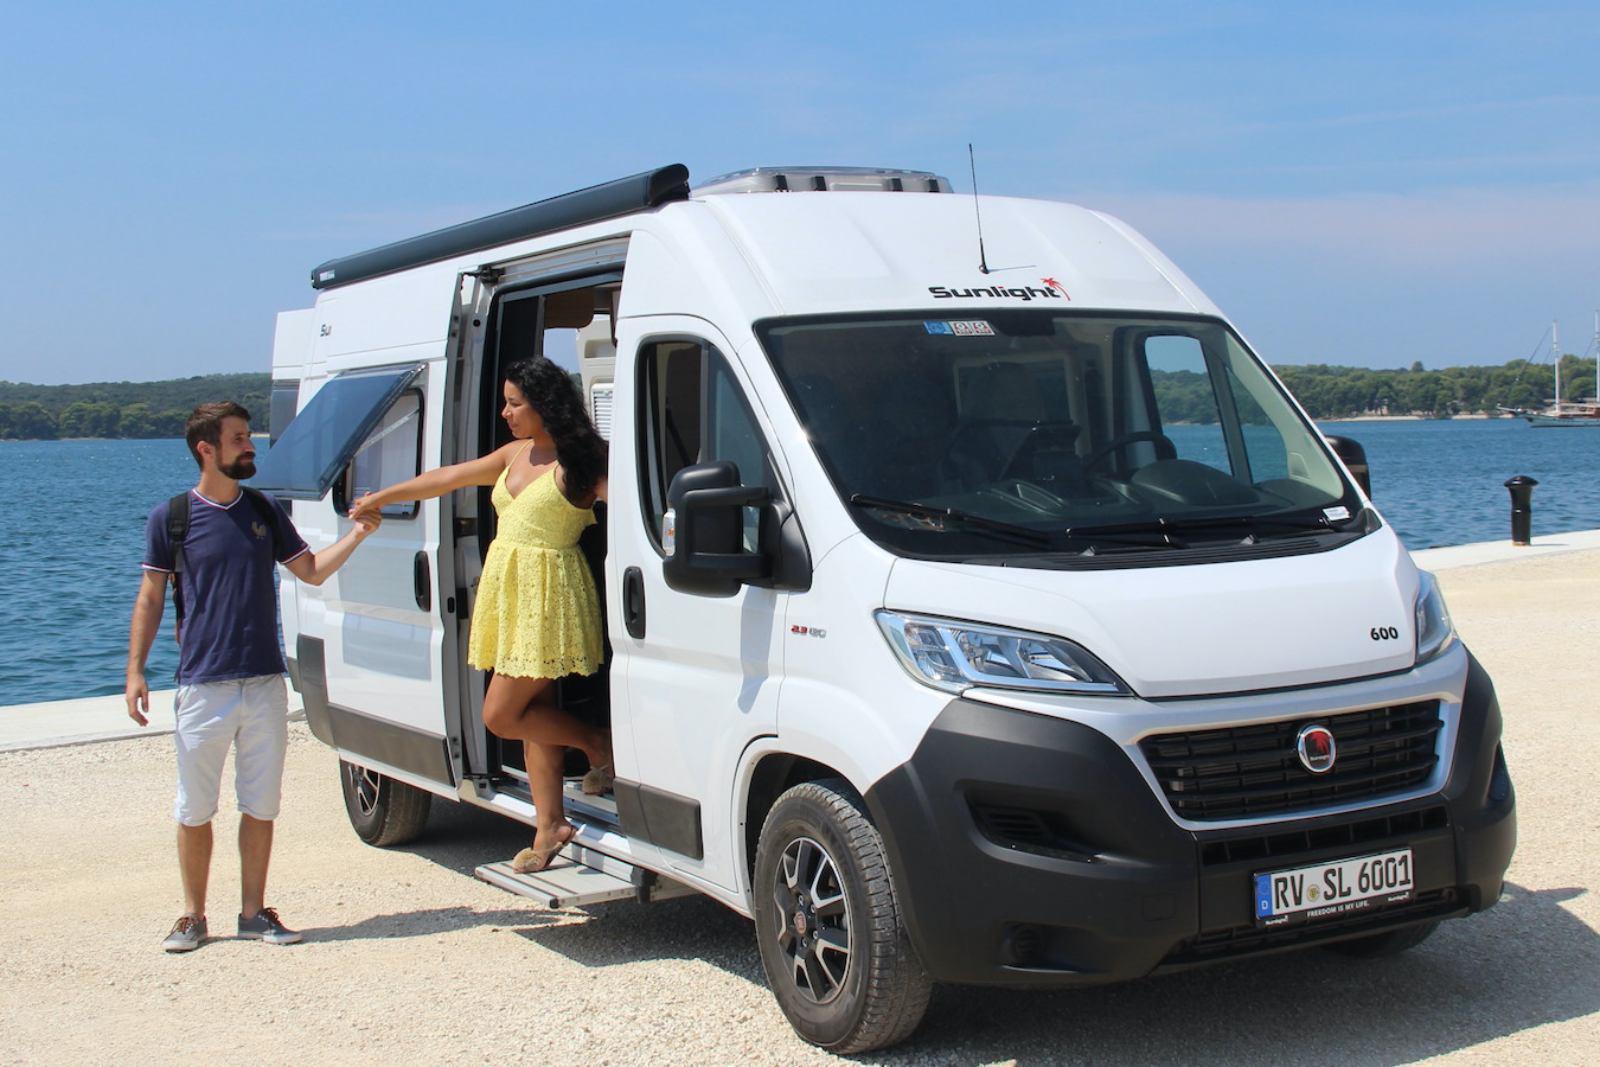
1392, 943
859, 985
383, 812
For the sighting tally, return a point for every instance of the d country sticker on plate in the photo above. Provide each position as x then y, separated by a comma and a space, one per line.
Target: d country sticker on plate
959, 327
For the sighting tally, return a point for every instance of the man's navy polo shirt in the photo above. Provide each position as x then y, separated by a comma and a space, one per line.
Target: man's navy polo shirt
229, 586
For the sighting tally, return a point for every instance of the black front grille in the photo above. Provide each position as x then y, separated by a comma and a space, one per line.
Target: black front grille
1242, 771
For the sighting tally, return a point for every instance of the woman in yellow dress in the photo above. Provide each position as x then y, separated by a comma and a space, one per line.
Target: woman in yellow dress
537, 616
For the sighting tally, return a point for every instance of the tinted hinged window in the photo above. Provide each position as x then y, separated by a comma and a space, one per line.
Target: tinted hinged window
316, 446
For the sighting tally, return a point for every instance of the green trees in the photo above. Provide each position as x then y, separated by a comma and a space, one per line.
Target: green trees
122, 409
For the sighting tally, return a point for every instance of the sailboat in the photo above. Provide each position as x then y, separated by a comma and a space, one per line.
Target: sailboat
1585, 412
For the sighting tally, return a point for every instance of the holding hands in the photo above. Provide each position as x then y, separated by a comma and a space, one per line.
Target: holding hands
367, 513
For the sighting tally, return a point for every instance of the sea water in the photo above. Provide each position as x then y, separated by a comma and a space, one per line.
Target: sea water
72, 529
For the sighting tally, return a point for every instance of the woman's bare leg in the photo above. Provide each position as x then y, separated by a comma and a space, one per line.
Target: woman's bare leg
520, 709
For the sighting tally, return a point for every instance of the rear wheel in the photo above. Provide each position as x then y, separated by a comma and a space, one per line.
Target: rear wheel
832, 941
1377, 946
383, 812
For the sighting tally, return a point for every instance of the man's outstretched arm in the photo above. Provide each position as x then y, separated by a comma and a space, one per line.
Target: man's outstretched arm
146, 621
314, 568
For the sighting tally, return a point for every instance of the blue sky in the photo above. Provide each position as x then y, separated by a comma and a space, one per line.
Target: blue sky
1363, 183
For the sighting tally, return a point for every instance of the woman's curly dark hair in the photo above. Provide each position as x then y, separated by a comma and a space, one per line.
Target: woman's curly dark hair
580, 449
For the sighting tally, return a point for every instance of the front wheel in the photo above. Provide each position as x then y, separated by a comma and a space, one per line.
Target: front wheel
832, 941
383, 812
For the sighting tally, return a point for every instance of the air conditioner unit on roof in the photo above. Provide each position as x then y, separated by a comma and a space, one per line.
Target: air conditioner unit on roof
825, 179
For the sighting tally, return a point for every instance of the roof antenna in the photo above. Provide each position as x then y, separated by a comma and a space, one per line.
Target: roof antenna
983, 261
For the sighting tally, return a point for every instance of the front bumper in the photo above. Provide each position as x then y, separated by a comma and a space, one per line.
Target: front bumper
1030, 850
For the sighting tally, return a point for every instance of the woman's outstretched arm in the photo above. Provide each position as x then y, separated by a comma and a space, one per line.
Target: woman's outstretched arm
439, 481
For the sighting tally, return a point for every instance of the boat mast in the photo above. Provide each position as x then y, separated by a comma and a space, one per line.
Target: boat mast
1555, 355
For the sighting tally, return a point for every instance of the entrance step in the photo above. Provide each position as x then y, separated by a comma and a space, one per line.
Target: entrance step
569, 883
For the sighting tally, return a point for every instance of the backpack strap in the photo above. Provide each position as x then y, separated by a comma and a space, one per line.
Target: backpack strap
177, 531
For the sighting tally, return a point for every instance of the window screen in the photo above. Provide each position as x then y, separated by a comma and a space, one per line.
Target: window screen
390, 454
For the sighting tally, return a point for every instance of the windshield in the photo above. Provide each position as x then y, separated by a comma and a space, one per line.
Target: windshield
1026, 430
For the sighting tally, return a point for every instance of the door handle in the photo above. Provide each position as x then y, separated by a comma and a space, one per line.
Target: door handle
633, 601
420, 582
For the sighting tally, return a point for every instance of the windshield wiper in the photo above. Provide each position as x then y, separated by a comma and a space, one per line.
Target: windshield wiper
1036, 538
1025, 534
1248, 525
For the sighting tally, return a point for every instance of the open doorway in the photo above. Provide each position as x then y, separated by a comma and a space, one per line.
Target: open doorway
549, 320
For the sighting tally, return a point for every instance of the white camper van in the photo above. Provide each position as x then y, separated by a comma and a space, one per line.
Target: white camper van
967, 621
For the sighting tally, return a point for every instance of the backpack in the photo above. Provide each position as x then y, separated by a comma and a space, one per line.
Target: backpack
178, 530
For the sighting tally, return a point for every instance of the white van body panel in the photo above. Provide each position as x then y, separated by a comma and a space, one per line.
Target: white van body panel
847, 702
382, 652
842, 252
1191, 631
704, 680
293, 336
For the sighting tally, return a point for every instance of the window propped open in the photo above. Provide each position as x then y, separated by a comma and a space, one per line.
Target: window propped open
318, 443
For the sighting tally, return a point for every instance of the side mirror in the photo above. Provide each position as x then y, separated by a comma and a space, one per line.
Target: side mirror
1354, 458
704, 531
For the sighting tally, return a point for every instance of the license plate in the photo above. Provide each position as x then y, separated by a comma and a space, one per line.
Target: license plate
1321, 891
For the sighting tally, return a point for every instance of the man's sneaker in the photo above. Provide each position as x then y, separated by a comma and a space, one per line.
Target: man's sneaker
187, 934
266, 926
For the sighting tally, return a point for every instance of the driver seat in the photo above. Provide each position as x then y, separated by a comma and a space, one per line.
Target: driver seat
1000, 412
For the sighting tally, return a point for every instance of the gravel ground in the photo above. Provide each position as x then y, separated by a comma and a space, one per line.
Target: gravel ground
409, 959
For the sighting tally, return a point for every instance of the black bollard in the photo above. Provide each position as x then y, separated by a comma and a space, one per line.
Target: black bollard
1521, 508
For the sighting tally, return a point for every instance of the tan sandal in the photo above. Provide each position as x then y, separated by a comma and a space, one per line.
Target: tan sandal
598, 780
533, 860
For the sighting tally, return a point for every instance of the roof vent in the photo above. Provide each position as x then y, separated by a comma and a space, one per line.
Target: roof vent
825, 179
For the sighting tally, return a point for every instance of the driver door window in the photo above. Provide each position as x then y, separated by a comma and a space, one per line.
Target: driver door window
692, 411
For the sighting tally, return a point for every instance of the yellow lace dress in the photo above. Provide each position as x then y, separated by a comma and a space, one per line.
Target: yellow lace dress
537, 614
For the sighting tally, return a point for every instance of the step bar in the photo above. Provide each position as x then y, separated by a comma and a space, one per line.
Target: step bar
582, 876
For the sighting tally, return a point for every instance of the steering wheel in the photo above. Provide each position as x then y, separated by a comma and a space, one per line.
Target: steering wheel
1165, 449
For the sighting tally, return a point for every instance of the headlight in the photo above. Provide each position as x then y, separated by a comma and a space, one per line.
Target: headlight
955, 656
1434, 630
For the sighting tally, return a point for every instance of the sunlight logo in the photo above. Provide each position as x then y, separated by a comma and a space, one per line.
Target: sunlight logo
1053, 290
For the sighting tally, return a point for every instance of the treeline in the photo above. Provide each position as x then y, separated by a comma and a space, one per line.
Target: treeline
158, 409
123, 409
1341, 392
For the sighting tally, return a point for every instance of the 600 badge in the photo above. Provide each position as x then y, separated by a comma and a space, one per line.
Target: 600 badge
1385, 633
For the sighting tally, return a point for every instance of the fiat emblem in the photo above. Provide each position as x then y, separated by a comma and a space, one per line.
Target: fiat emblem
800, 923
1316, 748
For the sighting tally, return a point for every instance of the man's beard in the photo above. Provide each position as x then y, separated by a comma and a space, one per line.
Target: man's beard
240, 469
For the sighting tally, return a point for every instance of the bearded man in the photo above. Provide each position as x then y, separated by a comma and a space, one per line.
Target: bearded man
221, 544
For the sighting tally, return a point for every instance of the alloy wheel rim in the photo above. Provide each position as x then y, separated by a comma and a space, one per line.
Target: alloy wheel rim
813, 920
364, 785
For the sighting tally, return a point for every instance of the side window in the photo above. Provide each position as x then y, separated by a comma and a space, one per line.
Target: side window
732, 434
1263, 442
390, 453
281, 407
1185, 399
691, 411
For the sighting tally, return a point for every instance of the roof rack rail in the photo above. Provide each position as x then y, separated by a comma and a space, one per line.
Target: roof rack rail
594, 204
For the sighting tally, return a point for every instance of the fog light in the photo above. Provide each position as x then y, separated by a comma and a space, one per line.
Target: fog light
1023, 945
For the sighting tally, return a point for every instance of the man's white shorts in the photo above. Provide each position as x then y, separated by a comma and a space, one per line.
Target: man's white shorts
250, 713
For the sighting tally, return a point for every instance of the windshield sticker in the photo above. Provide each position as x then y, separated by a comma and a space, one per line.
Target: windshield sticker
960, 327
1338, 514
